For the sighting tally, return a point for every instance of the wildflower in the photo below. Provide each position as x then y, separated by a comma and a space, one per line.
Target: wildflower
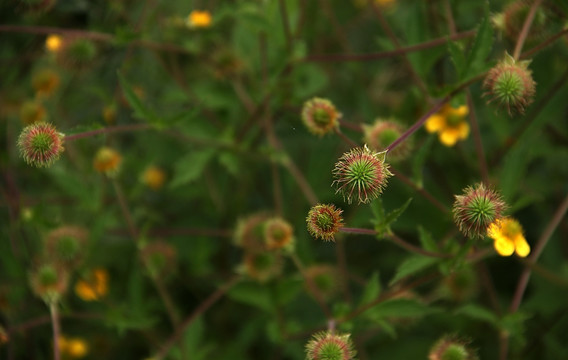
450, 124
476, 209
362, 170
451, 348
510, 85
109, 114
49, 282
53, 43
45, 82
263, 266
327, 345
93, 286
199, 19
74, 348
324, 221
249, 233
107, 161
40, 144
153, 177
320, 116
278, 233
383, 133
65, 245
508, 237
32, 112
160, 259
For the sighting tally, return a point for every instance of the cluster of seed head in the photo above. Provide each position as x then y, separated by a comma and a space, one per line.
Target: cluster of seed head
328, 345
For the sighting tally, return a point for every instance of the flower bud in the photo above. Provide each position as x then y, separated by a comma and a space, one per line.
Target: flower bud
510, 85
324, 221
49, 282
476, 209
320, 116
40, 144
160, 259
65, 245
450, 348
262, 266
278, 234
45, 82
107, 161
383, 133
361, 174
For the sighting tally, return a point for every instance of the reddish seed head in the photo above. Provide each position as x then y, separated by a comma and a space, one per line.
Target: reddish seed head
40, 144
320, 116
329, 346
324, 221
361, 174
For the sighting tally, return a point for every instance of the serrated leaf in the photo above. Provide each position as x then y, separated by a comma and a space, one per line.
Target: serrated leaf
372, 289
427, 241
190, 167
383, 221
395, 214
412, 265
477, 312
252, 294
399, 308
419, 159
480, 49
140, 110
458, 57
287, 290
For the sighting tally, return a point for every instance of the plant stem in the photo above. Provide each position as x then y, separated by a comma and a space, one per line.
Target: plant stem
56, 329
387, 54
544, 44
125, 211
108, 130
204, 306
345, 138
296, 260
525, 30
477, 139
398, 175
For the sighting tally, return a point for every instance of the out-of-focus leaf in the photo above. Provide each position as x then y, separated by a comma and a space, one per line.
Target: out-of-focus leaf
427, 241
412, 265
400, 308
252, 294
140, 110
478, 312
476, 59
372, 289
190, 167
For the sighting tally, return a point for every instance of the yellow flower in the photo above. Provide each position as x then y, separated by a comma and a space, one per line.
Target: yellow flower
72, 347
199, 19
154, 177
93, 286
450, 124
53, 43
508, 237
107, 161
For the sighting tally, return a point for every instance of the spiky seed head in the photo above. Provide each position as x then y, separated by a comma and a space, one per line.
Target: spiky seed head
449, 347
514, 16
278, 234
32, 112
160, 259
323, 279
263, 266
65, 245
49, 282
249, 233
476, 209
77, 53
324, 221
361, 174
327, 345
40, 144
510, 85
462, 284
382, 133
320, 116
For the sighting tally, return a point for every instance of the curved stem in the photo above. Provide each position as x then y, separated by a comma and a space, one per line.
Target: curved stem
525, 30
296, 260
56, 329
108, 130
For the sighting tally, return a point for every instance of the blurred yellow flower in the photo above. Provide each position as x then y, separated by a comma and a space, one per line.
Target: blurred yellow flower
508, 237
199, 19
74, 348
153, 177
450, 124
53, 43
93, 286
109, 114
107, 161
45, 82
32, 112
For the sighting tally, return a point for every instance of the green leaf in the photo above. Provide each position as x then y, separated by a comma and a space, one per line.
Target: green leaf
427, 241
383, 221
399, 308
480, 49
477, 312
395, 214
190, 167
140, 110
287, 290
412, 265
372, 289
458, 57
419, 159
252, 294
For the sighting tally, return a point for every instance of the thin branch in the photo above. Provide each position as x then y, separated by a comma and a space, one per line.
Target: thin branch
285, 24
56, 329
108, 130
125, 211
477, 138
544, 44
398, 175
309, 282
525, 30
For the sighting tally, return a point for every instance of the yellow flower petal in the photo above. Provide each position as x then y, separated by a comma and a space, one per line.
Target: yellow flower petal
503, 246
463, 130
522, 248
449, 136
435, 123
461, 111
